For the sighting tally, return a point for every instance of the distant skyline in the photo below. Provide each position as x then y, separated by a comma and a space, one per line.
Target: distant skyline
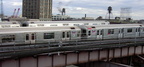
78, 8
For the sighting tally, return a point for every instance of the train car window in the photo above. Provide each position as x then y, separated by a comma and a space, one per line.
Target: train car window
119, 31
72, 28
8, 38
110, 31
122, 31
4, 26
33, 37
103, 23
48, 35
53, 25
27, 36
86, 23
101, 32
40, 25
89, 33
65, 24
138, 29
98, 32
32, 22
14, 23
78, 33
68, 34
76, 24
129, 30
63, 34
83, 33
93, 27
95, 24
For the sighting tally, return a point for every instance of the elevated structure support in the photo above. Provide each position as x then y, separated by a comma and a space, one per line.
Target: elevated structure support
102, 64
73, 57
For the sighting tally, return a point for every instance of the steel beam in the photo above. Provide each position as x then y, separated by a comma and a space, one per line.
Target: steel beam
69, 58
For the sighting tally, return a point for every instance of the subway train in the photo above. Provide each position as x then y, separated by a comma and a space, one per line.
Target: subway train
64, 23
14, 24
35, 35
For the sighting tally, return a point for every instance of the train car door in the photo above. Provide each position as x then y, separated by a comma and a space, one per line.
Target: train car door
30, 38
99, 34
137, 32
65, 35
141, 32
121, 33
73, 34
83, 34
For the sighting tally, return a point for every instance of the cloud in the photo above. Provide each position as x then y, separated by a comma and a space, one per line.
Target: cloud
93, 8
16, 3
9, 6
96, 8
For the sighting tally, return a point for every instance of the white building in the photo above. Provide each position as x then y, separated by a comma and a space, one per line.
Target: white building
60, 17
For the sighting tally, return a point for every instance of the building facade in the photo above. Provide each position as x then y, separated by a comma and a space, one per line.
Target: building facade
60, 17
37, 9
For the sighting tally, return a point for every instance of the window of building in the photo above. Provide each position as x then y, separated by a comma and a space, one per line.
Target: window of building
129, 30
48, 35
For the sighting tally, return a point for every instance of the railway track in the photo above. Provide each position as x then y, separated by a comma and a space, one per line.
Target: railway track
9, 49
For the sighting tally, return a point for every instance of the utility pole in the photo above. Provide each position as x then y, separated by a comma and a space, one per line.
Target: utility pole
1, 8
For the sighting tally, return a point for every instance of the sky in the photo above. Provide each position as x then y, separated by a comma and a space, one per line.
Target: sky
93, 8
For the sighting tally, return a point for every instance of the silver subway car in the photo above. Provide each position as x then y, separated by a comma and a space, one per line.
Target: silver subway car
38, 35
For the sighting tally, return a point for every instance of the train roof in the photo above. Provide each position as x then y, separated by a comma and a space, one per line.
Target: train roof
36, 29
110, 26
39, 22
9, 22
64, 23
